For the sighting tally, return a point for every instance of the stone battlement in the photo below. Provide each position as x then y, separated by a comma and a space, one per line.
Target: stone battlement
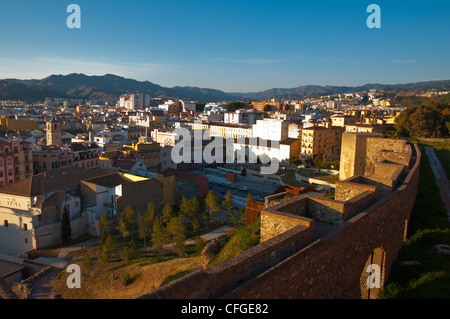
316, 247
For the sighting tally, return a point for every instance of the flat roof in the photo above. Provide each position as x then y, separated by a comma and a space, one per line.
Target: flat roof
8, 268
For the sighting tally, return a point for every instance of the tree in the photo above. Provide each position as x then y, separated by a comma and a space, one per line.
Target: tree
196, 207
66, 231
233, 106
425, 119
295, 160
267, 108
185, 207
227, 203
145, 222
238, 217
250, 198
335, 165
159, 235
195, 222
102, 224
177, 230
167, 213
318, 160
87, 262
128, 252
212, 204
127, 221
108, 251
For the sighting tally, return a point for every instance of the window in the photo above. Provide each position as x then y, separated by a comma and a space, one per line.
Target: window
5, 223
25, 227
9, 160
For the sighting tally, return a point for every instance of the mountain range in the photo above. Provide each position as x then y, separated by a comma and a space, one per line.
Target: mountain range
110, 87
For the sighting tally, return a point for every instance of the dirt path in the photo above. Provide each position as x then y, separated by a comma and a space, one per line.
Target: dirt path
43, 286
441, 177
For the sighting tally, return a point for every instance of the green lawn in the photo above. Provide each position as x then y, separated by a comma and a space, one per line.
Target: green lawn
443, 152
428, 227
311, 173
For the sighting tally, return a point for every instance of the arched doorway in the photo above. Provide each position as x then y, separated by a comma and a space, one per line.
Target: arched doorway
372, 276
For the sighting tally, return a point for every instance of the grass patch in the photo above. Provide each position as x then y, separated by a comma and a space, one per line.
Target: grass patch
428, 227
175, 277
312, 173
240, 241
442, 150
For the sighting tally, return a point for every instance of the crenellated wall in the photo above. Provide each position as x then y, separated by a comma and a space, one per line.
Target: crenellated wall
307, 256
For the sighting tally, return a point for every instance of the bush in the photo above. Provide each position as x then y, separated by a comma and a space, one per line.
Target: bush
126, 279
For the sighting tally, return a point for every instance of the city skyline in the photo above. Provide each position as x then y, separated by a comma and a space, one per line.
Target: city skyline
230, 46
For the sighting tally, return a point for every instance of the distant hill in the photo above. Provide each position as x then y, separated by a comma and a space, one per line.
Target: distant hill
108, 87
312, 91
10, 90
111, 86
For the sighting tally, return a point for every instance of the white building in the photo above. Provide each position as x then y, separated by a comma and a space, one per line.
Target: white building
242, 117
248, 150
271, 129
188, 105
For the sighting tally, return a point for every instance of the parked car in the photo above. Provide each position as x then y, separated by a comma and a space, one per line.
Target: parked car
258, 198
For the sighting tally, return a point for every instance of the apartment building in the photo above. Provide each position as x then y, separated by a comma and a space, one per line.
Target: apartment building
343, 120
261, 105
271, 129
323, 140
251, 149
16, 161
133, 101
52, 158
146, 151
230, 130
242, 117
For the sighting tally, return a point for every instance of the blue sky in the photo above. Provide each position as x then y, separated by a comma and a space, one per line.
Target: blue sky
234, 46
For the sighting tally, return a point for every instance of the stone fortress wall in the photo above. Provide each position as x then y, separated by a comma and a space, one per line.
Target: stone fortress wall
315, 247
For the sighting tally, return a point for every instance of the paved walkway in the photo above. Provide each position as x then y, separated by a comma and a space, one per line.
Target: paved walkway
441, 177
